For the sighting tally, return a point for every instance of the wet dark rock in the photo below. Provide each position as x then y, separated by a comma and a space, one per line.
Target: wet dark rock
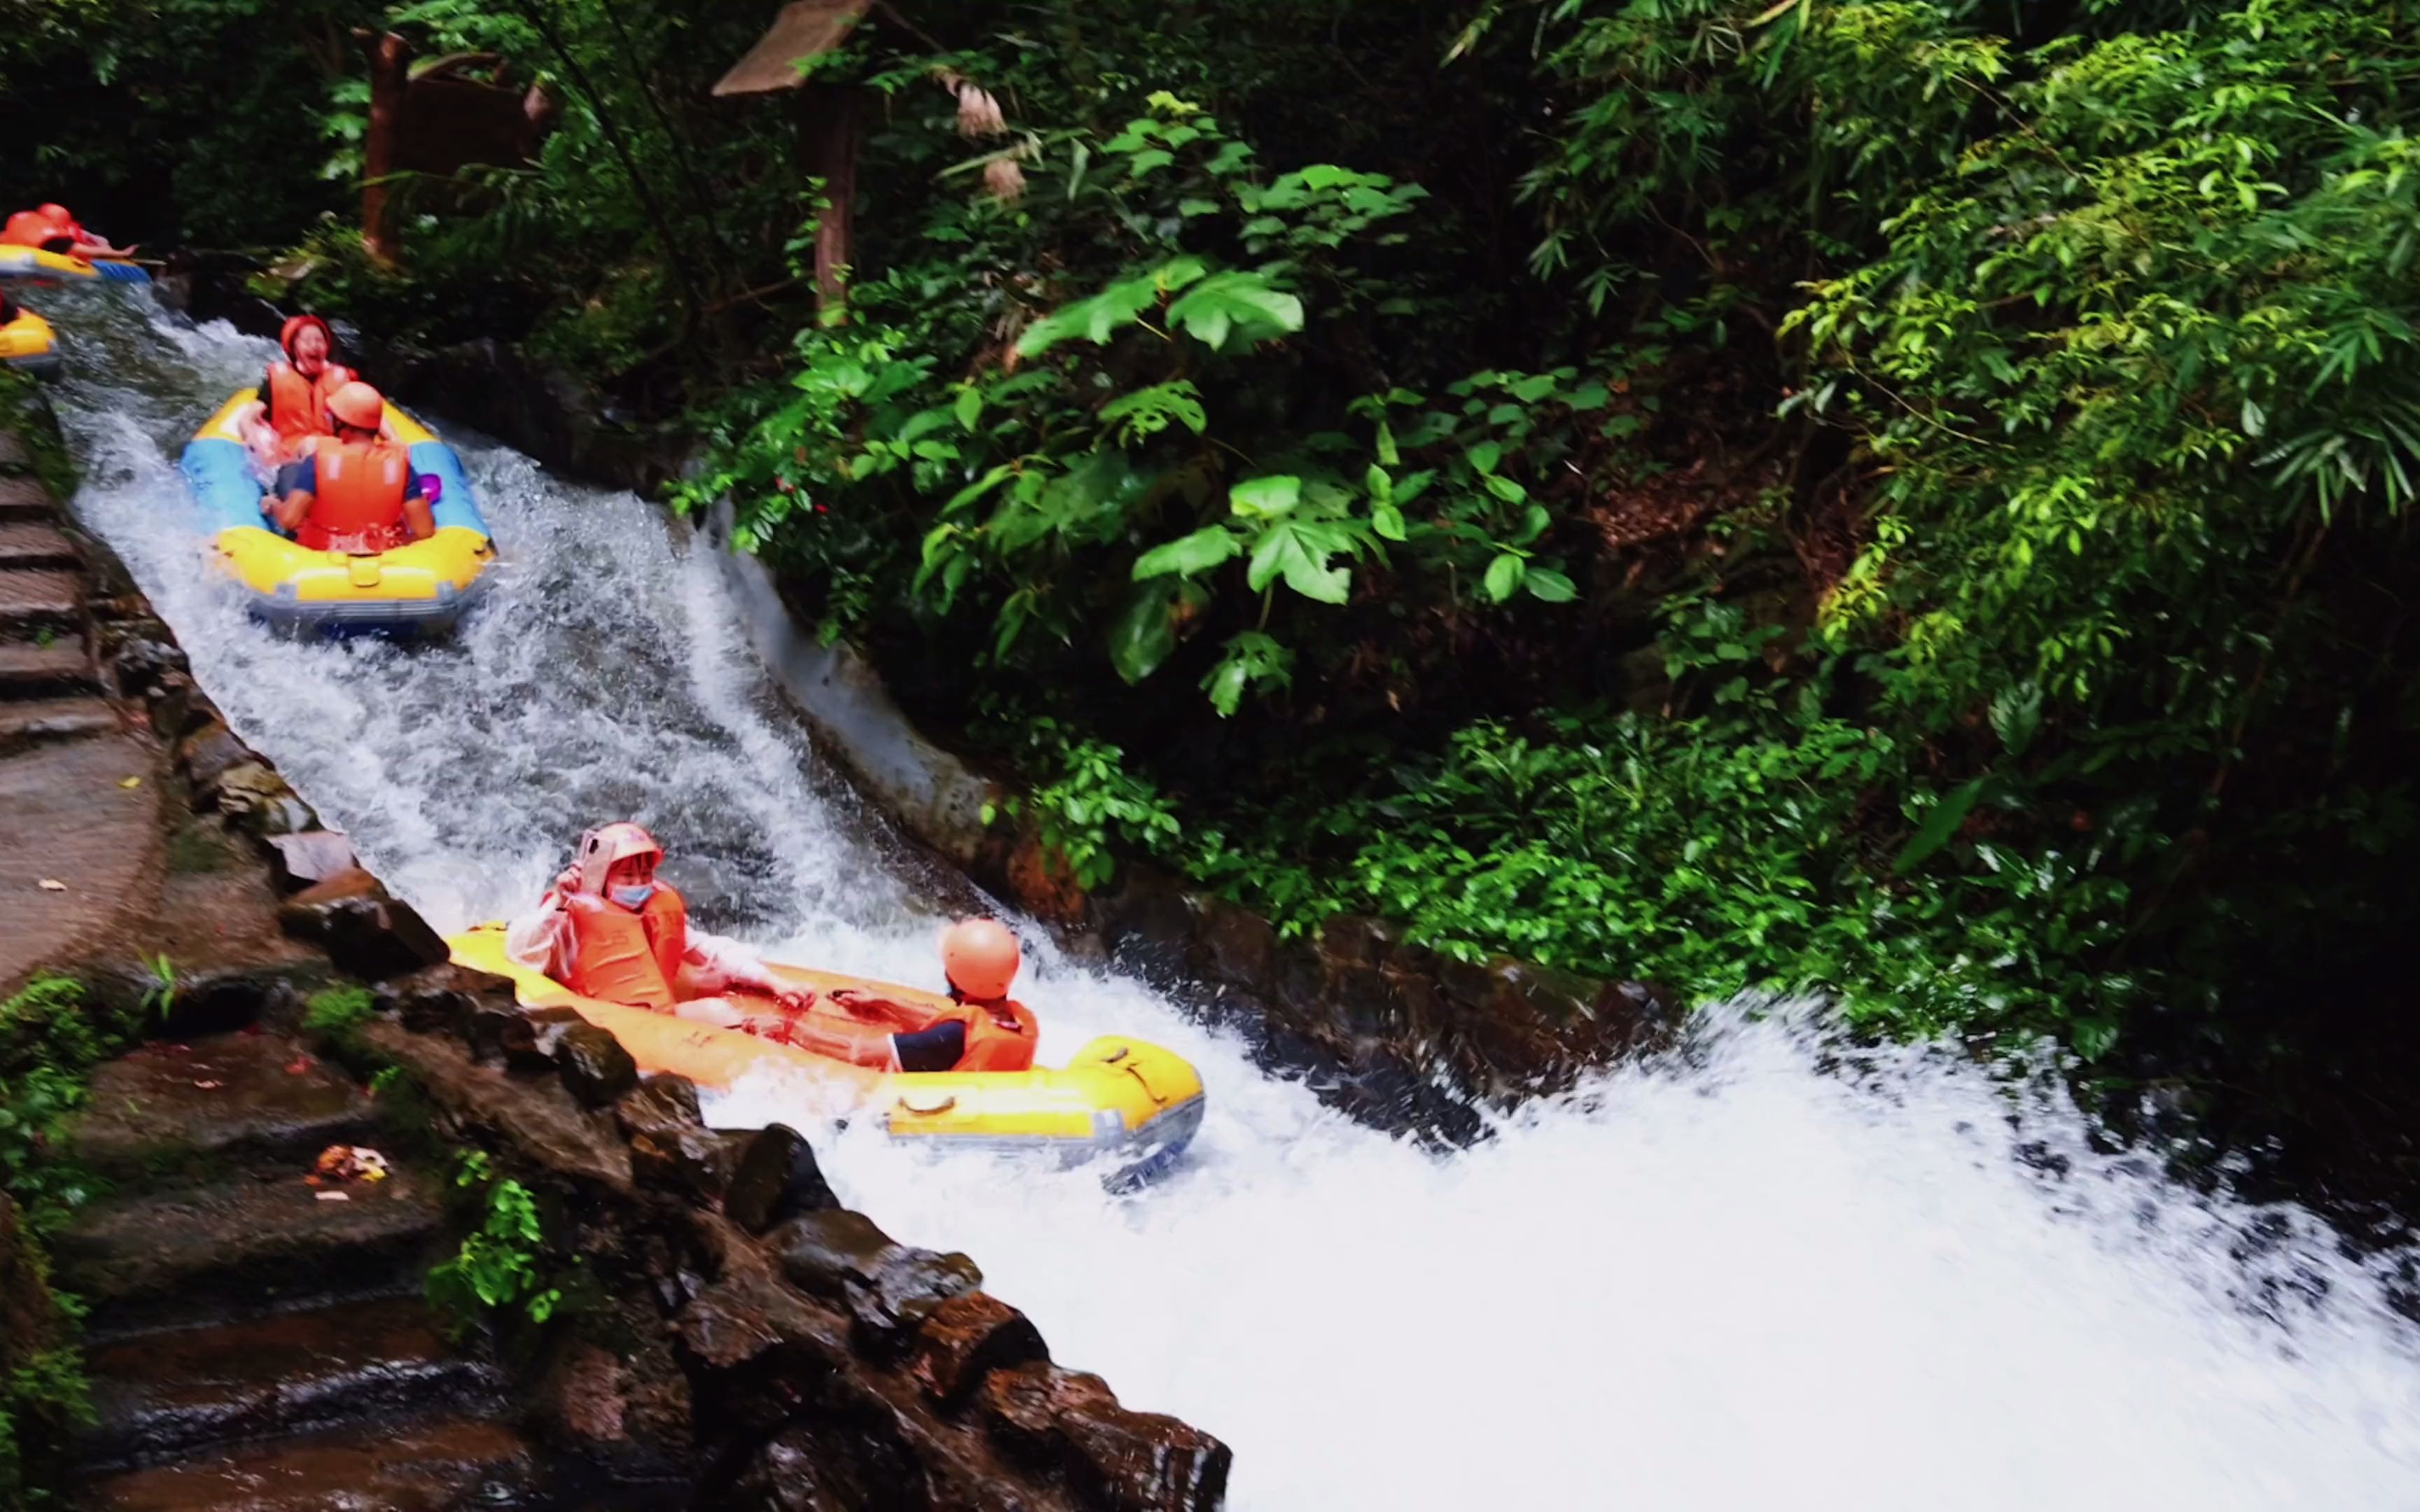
495, 1032
173, 706
365, 933
211, 751
886, 1287
430, 1010
788, 1474
911, 1286
537, 1117
1468, 985
1297, 977
1070, 1422
966, 1338
777, 1180
690, 1162
823, 1253
1354, 939
298, 859
256, 801
581, 1399
661, 1101
733, 1323
1361, 999
141, 663
29, 1319
595, 1068
1236, 945
1145, 924
670, 1148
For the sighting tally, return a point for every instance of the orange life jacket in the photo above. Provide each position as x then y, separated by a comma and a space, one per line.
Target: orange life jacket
298, 407
358, 503
992, 1046
31, 228
626, 957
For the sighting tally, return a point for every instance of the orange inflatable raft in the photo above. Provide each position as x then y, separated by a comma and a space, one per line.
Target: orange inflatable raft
1120, 1099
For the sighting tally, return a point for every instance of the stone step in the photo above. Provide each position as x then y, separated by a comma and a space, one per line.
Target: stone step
34, 721
249, 1096
32, 598
30, 670
158, 1394
26, 499
32, 543
246, 1247
433, 1466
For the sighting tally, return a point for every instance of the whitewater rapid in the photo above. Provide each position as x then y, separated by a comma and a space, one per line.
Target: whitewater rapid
1732, 1280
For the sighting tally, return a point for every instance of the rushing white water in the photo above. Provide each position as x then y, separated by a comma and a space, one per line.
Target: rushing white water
1733, 1281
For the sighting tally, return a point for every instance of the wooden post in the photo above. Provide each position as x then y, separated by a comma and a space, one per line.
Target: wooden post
390, 77
831, 127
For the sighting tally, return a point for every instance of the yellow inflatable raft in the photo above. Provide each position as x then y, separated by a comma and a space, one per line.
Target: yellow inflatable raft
29, 345
35, 265
1132, 1102
418, 589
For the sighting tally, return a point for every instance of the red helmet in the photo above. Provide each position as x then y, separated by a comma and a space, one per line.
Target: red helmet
294, 326
357, 405
981, 957
59, 216
601, 847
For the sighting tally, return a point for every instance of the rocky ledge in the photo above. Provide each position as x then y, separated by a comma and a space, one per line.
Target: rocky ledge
726, 1334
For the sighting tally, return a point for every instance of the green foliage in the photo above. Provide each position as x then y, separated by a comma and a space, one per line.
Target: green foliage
45, 1402
337, 1011
50, 1037
499, 1266
160, 997
193, 117
1124, 437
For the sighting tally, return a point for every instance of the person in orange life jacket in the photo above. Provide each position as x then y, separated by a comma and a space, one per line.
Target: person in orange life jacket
988, 1031
50, 228
291, 416
357, 492
608, 929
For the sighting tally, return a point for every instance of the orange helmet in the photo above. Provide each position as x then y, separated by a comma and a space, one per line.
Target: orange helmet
981, 957
294, 326
601, 847
357, 405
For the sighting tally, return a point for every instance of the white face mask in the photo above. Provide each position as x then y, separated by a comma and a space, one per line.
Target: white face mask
633, 895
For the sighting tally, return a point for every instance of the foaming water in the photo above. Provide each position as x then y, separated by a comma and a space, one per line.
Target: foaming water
1731, 1280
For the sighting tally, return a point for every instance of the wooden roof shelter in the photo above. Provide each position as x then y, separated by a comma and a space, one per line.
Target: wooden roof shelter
804, 29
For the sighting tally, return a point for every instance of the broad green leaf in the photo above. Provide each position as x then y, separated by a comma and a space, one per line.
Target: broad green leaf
1259, 497
1548, 586
1198, 552
1939, 825
1503, 576
1251, 658
1239, 304
2016, 716
976, 490
1388, 522
969, 408
1484, 455
1505, 489
1143, 634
